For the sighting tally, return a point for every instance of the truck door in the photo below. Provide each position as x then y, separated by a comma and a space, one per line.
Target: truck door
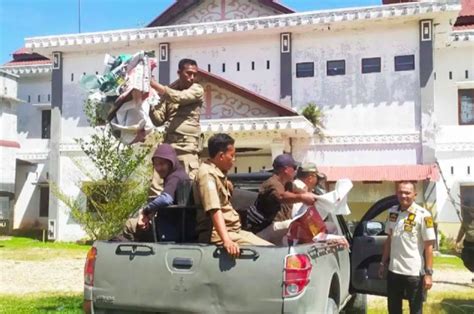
367, 248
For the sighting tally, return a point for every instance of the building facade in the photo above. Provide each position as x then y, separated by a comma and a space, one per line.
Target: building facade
375, 73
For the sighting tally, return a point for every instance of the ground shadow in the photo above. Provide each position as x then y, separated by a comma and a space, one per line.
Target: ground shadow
456, 306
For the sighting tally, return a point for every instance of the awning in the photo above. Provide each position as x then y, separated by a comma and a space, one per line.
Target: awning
382, 173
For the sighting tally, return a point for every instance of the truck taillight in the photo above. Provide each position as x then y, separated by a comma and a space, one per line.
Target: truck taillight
296, 277
89, 267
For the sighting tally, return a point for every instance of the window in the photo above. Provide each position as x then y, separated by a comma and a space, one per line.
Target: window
253, 65
72, 77
268, 64
371, 65
208, 68
46, 124
39, 98
29, 98
466, 106
336, 67
49, 97
44, 201
404, 63
305, 69
238, 66
223, 67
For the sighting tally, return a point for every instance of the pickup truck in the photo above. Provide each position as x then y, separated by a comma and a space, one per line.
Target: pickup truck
174, 274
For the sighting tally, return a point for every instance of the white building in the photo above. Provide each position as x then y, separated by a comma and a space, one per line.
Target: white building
375, 72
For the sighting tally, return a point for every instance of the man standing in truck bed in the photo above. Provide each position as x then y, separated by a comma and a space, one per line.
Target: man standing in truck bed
217, 221
180, 108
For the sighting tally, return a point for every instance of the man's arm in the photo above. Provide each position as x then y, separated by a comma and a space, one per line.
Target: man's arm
182, 97
162, 200
218, 221
291, 198
428, 250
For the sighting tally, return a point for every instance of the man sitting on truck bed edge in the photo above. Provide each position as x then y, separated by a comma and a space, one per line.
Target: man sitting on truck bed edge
217, 221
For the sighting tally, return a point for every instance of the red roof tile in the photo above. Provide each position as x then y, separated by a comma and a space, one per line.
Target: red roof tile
382, 173
27, 62
466, 16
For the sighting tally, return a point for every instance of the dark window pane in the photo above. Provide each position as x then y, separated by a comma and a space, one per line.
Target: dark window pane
336, 67
371, 65
405, 63
467, 200
466, 106
305, 69
46, 124
44, 201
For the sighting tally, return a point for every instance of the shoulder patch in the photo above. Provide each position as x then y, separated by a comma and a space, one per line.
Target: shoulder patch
393, 217
429, 222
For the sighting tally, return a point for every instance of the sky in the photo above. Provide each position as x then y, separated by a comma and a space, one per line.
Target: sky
20, 19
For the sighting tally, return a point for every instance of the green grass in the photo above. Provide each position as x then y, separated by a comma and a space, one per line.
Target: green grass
448, 262
41, 303
27, 249
451, 302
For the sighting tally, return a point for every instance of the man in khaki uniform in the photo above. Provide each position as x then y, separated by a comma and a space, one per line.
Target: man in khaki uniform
180, 108
408, 251
217, 221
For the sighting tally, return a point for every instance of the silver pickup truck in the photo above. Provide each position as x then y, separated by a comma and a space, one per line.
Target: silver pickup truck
182, 276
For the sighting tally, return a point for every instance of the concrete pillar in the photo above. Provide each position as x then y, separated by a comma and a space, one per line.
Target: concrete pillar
286, 80
164, 64
55, 140
277, 147
425, 114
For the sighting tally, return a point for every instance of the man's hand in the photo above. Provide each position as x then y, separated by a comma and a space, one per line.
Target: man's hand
427, 282
458, 247
308, 198
381, 270
143, 221
232, 248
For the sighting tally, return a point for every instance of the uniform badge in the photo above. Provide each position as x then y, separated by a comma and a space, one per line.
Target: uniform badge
393, 217
410, 221
429, 222
408, 228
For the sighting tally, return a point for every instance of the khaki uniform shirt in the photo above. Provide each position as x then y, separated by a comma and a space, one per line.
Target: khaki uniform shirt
410, 229
211, 192
182, 110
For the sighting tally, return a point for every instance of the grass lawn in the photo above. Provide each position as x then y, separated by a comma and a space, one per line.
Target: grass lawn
41, 303
446, 302
27, 249
448, 262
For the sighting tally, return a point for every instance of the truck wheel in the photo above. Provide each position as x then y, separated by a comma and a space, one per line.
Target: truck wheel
331, 306
356, 305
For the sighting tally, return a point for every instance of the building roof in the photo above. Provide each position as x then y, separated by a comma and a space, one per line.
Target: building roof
246, 93
382, 173
466, 16
181, 6
276, 23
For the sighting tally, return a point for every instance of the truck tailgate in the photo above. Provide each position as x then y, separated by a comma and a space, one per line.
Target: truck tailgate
188, 278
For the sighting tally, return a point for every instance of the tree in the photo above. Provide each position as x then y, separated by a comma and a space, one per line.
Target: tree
314, 114
117, 183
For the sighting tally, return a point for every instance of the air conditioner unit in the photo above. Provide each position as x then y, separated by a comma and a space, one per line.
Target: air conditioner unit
52, 229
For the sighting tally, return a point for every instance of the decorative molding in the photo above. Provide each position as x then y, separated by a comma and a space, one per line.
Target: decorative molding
455, 147
403, 138
243, 25
28, 69
33, 156
464, 35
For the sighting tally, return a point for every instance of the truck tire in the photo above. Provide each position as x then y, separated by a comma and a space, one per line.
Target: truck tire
331, 306
357, 304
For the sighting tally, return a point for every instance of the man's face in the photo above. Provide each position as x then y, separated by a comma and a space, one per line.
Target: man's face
406, 194
187, 75
226, 159
290, 172
311, 181
162, 166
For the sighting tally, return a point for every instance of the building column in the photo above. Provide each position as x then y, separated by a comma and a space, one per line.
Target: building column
277, 147
424, 115
286, 82
55, 140
164, 64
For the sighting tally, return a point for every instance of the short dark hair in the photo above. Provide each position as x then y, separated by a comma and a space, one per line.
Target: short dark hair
219, 143
413, 183
185, 61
